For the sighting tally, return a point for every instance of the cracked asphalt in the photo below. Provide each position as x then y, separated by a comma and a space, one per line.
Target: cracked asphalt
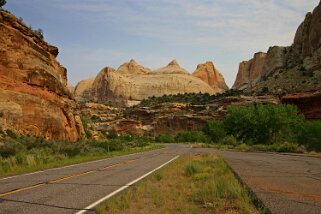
71, 189
284, 183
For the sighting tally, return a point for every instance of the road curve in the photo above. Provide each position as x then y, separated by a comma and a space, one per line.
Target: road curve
71, 189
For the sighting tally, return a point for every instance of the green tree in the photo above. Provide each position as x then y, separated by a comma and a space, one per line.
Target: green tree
215, 131
2, 3
39, 32
311, 135
264, 124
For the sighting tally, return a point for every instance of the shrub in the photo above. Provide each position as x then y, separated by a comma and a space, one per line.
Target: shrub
39, 32
191, 137
2, 3
229, 140
164, 138
192, 168
10, 148
215, 131
265, 90
112, 134
11, 134
311, 135
263, 124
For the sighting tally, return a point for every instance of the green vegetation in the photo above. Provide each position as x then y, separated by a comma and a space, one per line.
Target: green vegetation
191, 137
198, 184
39, 32
2, 3
24, 154
192, 98
215, 131
310, 135
275, 128
263, 124
164, 138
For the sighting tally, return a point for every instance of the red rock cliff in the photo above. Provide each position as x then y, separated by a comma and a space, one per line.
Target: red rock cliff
34, 98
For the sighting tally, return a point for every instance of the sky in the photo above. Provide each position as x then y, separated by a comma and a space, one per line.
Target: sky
93, 34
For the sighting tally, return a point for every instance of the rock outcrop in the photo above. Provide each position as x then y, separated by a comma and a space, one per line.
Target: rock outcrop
288, 69
165, 118
172, 68
132, 68
250, 71
34, 98
131, 83
308, 103
210, 75
82, 91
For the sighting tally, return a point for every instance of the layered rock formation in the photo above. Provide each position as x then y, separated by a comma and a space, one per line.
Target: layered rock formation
210, 75
308, 103
250, 71
34, 98
131, 83
288, 69
165, 118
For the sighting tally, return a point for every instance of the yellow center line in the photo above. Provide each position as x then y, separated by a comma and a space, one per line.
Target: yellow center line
70, 176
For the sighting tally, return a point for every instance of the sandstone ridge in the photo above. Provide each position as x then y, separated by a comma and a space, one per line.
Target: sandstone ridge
131, 83
292, 69
34, 95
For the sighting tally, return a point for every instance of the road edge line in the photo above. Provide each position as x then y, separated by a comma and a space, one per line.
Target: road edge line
68, 166
124, 187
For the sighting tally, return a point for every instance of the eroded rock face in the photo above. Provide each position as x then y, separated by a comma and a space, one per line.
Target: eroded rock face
289, 69
250, 71
308, 36
275, 59
210, 75
83, 89
34, 98
132, 83
165, 118
308, 103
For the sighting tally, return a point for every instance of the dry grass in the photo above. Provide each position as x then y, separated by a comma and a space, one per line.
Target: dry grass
199, 184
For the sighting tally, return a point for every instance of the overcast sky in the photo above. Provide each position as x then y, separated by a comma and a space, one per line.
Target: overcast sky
92, 34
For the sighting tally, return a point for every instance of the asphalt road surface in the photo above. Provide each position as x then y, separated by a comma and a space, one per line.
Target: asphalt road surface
71, 189
284, 183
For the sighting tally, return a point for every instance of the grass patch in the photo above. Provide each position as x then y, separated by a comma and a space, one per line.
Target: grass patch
198, 184
26, 154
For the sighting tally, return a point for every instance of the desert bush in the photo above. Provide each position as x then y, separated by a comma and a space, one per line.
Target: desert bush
310, 135
191, 137
8, 149
2, 3
215, 131
164, 138
229, 140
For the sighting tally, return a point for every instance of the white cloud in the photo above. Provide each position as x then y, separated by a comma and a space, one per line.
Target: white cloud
239, 27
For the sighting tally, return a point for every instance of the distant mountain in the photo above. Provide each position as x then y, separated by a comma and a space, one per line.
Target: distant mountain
131, 83
286, 70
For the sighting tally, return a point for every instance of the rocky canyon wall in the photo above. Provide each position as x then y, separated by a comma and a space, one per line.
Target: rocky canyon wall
34, 98
292, 69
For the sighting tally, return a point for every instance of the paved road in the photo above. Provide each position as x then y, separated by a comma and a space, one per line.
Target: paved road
70, 189
284, 183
